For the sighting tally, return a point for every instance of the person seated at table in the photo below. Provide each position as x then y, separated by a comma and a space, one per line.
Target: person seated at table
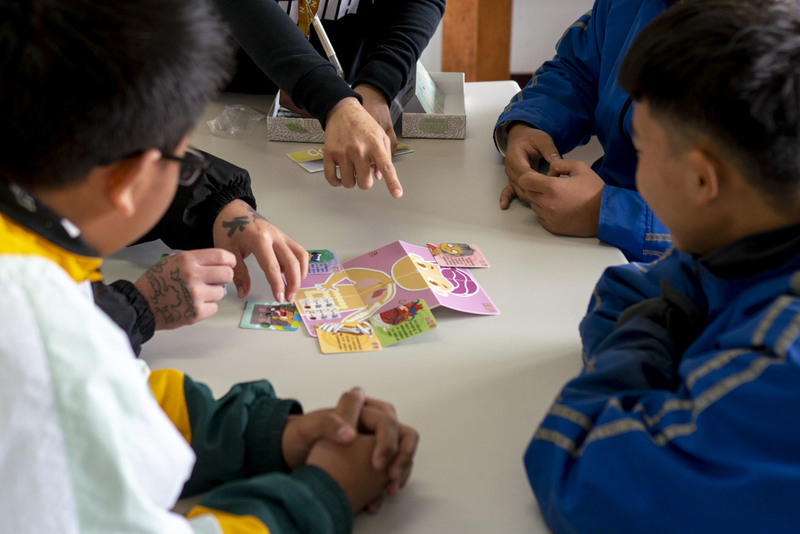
98, 102
378, 43
685, 413
218, 210
567, 101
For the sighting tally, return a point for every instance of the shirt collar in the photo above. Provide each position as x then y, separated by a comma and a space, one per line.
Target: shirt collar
753, 254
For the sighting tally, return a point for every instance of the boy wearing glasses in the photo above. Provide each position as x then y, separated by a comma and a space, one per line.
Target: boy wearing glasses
685, 415
98, 100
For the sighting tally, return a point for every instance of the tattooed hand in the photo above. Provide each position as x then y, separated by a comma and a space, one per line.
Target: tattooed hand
184, 288
243, 231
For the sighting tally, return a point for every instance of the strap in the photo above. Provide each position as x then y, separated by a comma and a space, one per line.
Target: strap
306, 11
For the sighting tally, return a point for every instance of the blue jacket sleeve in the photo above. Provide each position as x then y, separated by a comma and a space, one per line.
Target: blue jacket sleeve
561, 97
630, 225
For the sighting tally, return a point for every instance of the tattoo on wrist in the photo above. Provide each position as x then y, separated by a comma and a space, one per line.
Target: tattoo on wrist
171, 300
238, 223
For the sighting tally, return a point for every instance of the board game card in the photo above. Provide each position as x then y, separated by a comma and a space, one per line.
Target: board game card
405, 321
270, 316
457, 255
323, 261
336, 338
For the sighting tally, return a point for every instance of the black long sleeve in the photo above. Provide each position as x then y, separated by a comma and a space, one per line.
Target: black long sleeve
378, 45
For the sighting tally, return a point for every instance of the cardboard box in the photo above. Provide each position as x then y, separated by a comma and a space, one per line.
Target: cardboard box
436, 111
281, 127
289, 128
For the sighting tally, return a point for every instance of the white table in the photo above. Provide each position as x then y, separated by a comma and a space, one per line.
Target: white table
477, 386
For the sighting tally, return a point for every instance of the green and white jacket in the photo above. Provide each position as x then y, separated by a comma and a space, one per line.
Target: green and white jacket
92, 441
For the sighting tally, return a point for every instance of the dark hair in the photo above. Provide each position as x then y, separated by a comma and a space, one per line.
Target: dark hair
86, 82
728, 70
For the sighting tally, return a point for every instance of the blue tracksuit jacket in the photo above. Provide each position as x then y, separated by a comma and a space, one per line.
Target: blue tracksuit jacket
575, 96
656, 438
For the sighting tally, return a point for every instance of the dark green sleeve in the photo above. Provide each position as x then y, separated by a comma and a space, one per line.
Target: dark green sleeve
306, 501
236, 436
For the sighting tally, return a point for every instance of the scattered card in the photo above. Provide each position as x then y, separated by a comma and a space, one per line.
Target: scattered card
403, 322
337, 338
323, 261
270, 316
311, 159
457, 255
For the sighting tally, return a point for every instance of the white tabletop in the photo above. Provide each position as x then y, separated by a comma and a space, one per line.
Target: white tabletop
476, 387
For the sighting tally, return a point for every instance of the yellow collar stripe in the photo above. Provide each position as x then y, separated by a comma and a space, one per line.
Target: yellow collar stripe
16, 239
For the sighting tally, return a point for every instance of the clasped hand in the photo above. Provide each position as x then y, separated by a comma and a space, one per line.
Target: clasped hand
567, 199
360, 443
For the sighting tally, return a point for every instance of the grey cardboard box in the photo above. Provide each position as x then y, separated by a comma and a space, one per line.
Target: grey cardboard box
295, 129
451, 123
307, 130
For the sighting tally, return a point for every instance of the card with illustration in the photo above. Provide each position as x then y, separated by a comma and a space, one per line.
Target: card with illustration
270, 316
337, 338
405, 321
383, 279
457, 255
323, 261
311, 159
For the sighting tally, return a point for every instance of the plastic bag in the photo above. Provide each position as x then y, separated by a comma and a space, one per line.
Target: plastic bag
235, 122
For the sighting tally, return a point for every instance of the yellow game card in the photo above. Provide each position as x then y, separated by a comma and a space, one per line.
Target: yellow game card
337, 338
311, 159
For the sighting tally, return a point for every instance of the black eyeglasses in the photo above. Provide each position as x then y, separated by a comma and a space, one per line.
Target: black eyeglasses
193, 164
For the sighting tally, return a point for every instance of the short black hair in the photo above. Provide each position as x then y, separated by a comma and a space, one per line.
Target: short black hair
85, 82
729, 71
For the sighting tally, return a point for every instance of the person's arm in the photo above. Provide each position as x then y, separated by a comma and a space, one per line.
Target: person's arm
397, 33
252, 449
561, 97
188, 222
629, 224
281, 51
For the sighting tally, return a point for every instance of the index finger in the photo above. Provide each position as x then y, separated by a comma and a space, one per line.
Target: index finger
389, 175
213, 256
534, 182
518, 163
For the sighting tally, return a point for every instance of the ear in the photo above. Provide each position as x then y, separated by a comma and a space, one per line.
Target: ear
126, 176
706, 177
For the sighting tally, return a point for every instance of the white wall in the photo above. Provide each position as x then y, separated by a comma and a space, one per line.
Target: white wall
536, 26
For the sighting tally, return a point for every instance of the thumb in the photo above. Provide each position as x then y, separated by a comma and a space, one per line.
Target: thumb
350, 406
560, 167
548, 150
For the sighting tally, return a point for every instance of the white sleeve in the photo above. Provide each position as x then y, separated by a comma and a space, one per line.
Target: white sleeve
85, 447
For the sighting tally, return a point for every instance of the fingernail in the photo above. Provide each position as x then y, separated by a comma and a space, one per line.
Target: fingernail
358, 390
279, 297
555, 155
240, 292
